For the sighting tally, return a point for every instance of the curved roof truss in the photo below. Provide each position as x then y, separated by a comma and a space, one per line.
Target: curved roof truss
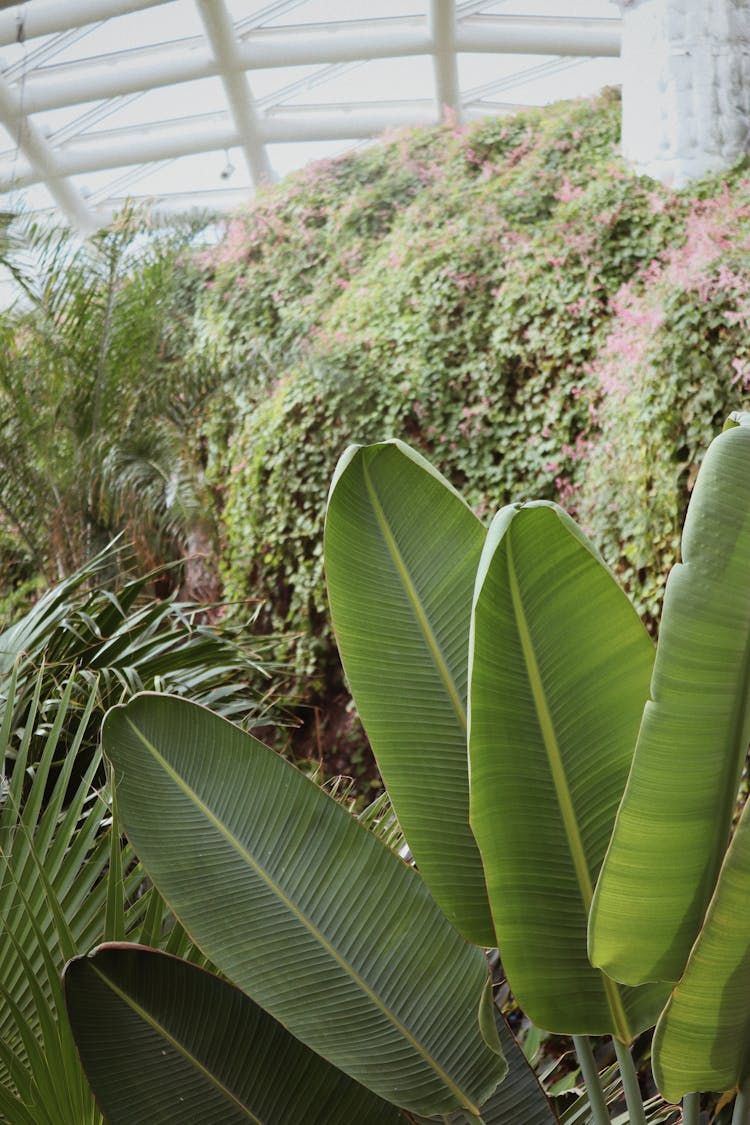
66, 111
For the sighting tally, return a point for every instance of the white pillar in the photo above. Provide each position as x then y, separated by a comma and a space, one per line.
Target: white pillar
442, 23
686, 86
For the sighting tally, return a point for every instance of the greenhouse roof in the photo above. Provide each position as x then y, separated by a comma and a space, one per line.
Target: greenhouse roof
193, 103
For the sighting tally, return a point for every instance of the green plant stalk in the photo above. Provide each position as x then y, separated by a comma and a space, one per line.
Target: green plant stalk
636, 1112
741, 1114
691, 1109
590, 1074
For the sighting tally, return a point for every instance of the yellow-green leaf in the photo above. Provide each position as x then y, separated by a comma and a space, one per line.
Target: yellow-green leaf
560, 666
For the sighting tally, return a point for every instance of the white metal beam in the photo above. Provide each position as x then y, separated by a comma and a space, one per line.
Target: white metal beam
170, 140
442, 25
540, 35
221, 36
175, 203
69, 85
76, 83
48, 17
42, 161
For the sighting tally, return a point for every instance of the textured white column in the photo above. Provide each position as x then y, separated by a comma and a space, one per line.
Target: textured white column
686, 86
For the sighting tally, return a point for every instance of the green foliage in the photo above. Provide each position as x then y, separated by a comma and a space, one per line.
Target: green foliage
57, 840
283, 882
68, 880
98, 399
566, 722
83, 633
149, 1026
463, 289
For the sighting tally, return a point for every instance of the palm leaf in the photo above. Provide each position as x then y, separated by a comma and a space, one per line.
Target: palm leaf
127, 642
54, 850
277, 883
401, 551
559, 666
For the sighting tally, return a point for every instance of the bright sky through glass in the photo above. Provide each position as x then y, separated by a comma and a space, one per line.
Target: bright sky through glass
488, 82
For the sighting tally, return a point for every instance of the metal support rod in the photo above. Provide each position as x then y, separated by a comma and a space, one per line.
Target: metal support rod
42, 161
312, 47
224, 44
120, 148
540, 35
49, 17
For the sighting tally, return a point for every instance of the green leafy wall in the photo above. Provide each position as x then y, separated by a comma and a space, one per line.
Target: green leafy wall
506, 296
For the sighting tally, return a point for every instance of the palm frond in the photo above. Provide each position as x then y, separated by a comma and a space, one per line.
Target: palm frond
54, 850
83, 637
85, 381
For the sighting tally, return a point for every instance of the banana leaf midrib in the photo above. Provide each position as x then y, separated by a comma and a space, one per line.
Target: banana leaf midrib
302, 918
175, 1044
415, 601
739, 744
560, 781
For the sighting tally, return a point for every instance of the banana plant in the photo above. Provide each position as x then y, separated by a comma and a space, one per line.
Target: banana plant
160, 1038
674, 822
400, 587
690, 753
559, 666
561, 689
304, 909
513, 698
562, 677
360, 986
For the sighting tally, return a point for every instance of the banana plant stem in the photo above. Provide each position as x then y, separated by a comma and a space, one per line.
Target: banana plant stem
691, 1109
636, 1112
591, 1078
741, 1115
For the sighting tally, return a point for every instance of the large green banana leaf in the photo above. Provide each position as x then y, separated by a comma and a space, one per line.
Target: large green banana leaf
401, 551
672, 828
560, 666
701, 1040
301, 907
162, 1040
520, 1100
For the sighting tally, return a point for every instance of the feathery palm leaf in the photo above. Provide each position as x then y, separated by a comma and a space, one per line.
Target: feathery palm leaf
86, 377
56, 842
81, 633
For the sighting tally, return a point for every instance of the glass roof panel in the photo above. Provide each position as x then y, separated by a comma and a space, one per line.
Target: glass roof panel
582, 9
377, 80
202, 95
176, 19
582, 78
289, 158
334, 11
267, 83
158, 88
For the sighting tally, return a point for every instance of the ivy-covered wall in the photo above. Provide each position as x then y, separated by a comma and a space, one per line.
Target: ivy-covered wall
509, 298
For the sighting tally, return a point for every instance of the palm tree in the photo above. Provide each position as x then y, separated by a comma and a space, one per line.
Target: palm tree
99, 416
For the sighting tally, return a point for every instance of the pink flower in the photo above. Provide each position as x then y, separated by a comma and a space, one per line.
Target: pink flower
568, 191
